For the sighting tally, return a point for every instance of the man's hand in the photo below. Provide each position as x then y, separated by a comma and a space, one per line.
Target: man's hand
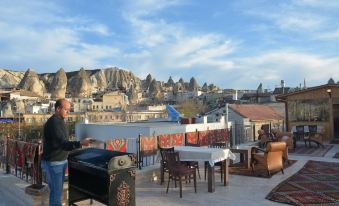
86, 142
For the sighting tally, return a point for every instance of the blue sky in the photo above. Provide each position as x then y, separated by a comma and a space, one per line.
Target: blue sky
231, 43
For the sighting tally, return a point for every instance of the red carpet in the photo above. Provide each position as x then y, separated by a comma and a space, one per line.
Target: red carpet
258, 172
317, 183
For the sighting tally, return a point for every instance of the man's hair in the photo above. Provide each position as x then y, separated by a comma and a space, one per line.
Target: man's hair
58, 103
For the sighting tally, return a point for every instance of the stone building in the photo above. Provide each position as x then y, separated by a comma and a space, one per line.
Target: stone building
314, 106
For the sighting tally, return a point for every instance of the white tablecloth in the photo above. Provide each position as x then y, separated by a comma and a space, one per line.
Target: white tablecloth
212, 155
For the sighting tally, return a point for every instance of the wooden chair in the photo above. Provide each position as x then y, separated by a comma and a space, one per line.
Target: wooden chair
163, 162
315, 135
271, 158
177, 171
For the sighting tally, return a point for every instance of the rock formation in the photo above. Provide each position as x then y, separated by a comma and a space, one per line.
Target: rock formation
79, 85
98, 80
31, 82
204, 87
154, 88
331, 81
10, 79
193, 85
120, 79
132, 95
170, 82
147, 82
59, 85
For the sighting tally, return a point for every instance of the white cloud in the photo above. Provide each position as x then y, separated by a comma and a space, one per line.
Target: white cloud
276, 65
319, 3
139, 8
96, 28
329, 35
165, 48
45, 38
295, 21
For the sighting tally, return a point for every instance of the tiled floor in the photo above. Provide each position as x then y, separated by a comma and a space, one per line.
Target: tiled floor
241, 190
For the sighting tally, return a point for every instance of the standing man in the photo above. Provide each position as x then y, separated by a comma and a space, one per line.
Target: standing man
55, 150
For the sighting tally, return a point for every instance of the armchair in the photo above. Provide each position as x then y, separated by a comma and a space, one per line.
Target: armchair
271, 158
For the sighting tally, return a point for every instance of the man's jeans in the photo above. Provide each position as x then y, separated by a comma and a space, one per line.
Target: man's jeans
55, 172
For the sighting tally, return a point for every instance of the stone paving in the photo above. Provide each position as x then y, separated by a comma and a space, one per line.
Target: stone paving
241, 190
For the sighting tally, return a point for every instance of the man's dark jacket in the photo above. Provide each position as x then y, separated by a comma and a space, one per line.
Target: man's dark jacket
55, 142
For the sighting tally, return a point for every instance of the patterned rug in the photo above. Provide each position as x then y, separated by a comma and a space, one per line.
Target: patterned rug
259, 171
317, 183
314, 151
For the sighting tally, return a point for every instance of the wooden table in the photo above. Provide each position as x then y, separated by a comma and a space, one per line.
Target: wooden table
245, 155
210, 155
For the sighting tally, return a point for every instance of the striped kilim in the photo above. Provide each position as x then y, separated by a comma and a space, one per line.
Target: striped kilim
317, 183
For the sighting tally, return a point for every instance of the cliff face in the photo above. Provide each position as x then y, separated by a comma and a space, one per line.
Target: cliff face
31, 82
10, 79
120, 79
98, 80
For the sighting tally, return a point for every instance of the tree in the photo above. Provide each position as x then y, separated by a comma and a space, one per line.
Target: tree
190, 108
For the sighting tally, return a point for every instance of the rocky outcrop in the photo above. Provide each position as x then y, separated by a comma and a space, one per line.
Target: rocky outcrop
10, 79
154, 88
147, 82
132, 94
170, 82
213, 88
98, 80
79, 85
193, 85
178, 88
121, 79
31, 82
205, 88
59, 85
331, 81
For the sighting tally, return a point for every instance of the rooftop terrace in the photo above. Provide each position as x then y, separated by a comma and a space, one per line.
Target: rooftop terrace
242, 190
